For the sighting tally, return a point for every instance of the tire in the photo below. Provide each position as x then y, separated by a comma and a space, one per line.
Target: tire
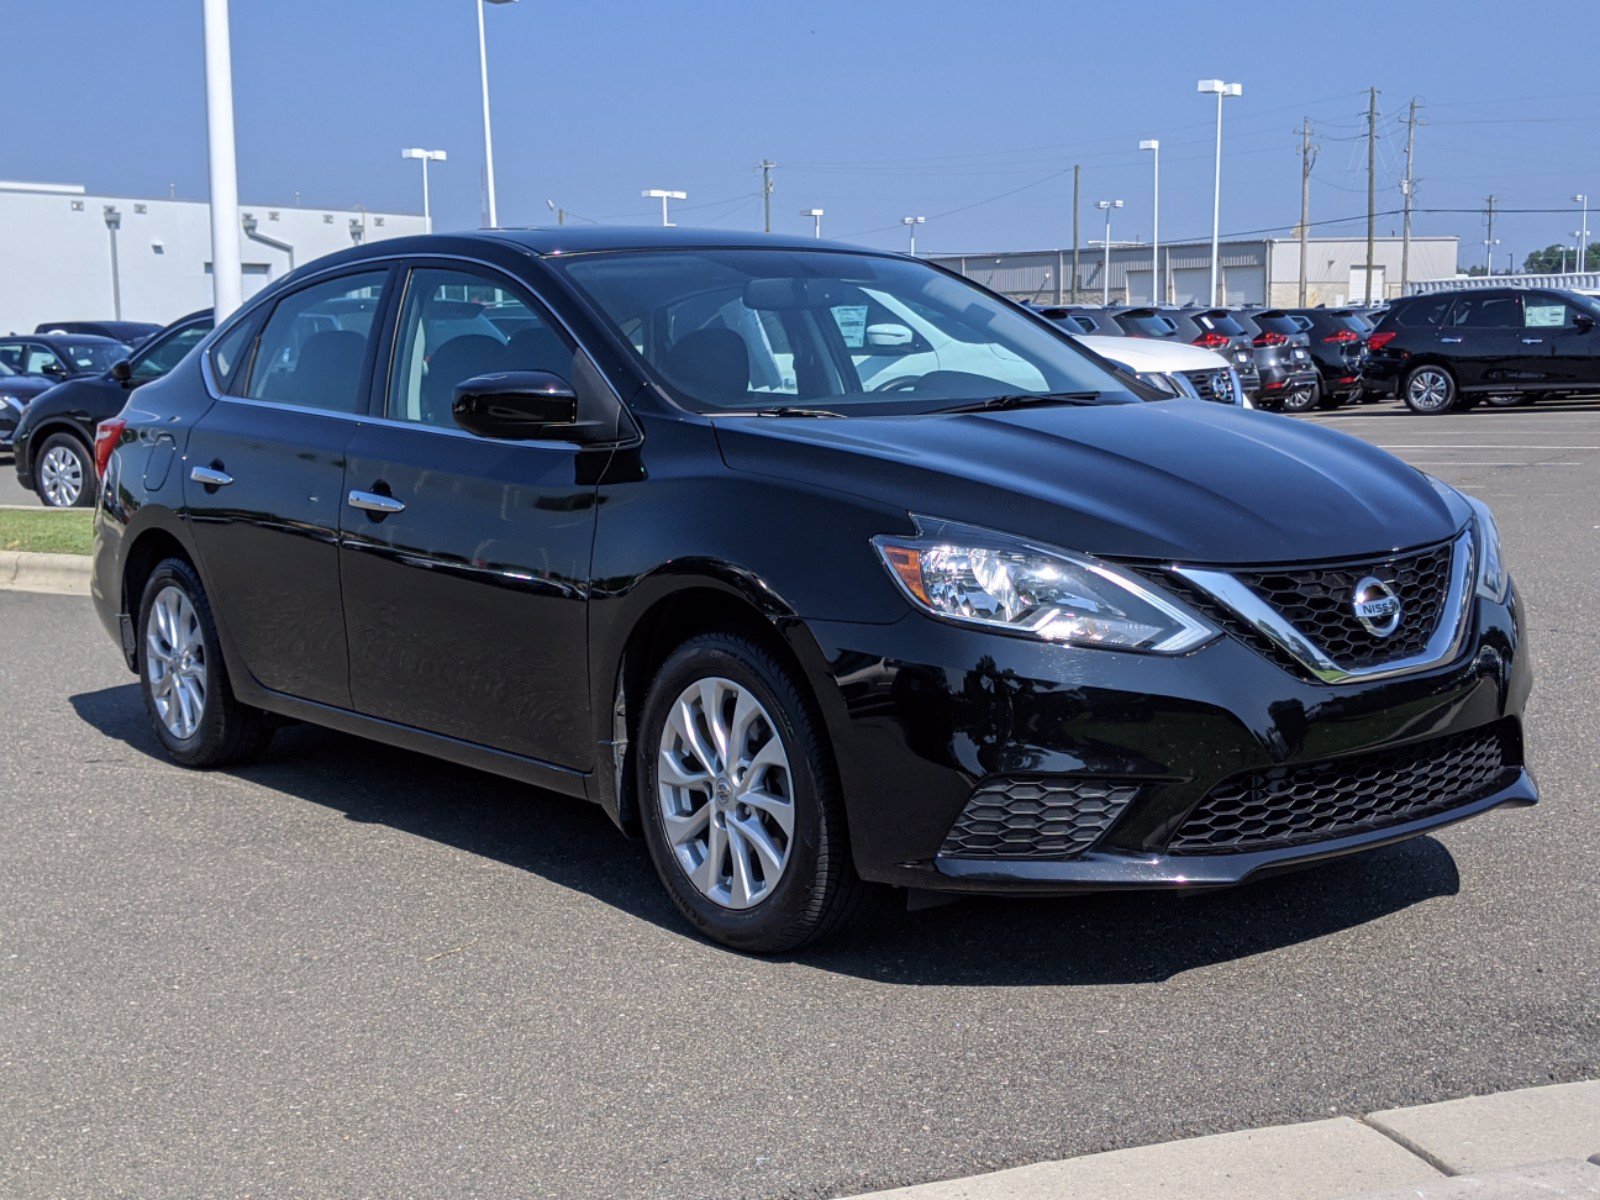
63, 473
183, 679
1430, 391
707, 842
1303, 400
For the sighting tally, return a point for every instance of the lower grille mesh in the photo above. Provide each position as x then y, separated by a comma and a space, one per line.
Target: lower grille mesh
1288, 806
1036, 818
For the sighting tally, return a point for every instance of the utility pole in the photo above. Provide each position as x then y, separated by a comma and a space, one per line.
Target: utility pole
1488, 238
1308, 156
1372, 183
1077, 182
1408, 187
766, 194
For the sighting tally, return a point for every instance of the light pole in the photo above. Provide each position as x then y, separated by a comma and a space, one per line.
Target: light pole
1154, 146
911, 224
1583, 232
663, 195
114, 223
1215, 87
227, 287
488, 138
1488, 254
1106, 206
425, 157
816, 217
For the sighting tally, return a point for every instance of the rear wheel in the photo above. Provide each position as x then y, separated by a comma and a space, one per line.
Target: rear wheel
63, 474
1430, 390
1302, 399
741, 809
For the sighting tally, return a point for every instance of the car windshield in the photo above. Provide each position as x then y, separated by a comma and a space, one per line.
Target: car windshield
825, 330
93, 356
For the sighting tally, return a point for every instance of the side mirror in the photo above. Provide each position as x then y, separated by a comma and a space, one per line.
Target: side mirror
1583, 321
55, 370
517, 406
890, 337
122, 370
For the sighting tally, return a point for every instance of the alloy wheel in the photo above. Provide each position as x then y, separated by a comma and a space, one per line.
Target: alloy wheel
175, 658
61, 477
1429, 389
726, 793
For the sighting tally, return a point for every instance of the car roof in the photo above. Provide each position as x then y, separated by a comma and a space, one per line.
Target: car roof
74, 339
584, 239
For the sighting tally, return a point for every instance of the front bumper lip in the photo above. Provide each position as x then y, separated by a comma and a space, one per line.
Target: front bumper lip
1098, 871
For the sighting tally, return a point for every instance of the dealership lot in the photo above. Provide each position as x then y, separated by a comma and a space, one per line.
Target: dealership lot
346, 970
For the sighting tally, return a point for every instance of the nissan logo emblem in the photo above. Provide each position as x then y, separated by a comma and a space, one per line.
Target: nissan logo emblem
1376, 606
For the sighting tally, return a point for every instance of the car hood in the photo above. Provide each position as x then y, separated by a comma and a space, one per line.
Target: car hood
24, 387
1148, 354
1178, 480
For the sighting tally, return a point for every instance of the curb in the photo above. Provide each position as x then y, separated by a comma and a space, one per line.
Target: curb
1525, 1143
53, 574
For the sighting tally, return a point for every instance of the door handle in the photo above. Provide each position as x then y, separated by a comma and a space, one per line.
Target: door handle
210, 477
1451, 341
372, 502
1532, 341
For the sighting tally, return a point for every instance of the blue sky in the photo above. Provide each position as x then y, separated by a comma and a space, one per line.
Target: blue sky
871, 110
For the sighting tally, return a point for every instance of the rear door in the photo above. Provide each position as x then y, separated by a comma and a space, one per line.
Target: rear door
263, 480
466, 560
1482, 339
1566, 354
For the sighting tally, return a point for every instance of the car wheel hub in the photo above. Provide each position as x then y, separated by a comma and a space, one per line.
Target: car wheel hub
725, 793
175, 662
1429, 389
61, 475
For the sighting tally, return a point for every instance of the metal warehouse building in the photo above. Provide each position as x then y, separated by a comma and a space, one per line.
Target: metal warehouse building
1263, 271
68, 256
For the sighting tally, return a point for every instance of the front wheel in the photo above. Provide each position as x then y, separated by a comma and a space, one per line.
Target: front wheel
1430, 390
741, 808
63, 473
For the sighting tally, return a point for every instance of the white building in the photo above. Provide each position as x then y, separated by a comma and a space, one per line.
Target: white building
68, 256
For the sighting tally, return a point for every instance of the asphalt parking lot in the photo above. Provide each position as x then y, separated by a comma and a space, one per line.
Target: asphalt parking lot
349, 971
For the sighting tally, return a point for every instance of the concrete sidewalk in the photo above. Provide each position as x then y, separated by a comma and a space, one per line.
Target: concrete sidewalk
1538, 1142
57, 574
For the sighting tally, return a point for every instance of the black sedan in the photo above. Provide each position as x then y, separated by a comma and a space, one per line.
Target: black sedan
816, 566
54, 439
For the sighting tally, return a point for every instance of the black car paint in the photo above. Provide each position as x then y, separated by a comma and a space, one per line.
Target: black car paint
17, 393
694, 518
1284, 365
1154, 321
76, 406
1340, 361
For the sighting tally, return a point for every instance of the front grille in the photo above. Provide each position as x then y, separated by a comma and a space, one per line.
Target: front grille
1036, 818
1215, 385
1289, 806
1318, 602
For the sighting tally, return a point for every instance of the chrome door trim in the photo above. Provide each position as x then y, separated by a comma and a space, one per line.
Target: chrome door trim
1443, 646
374, 503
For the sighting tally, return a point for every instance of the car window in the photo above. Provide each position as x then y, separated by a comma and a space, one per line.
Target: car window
1546, 312
1487, 312
166, 354
94, 356
11, 356
455, 325
314, 345
38, 360
1149, 324
1219, 322
1420, 313
1279, 322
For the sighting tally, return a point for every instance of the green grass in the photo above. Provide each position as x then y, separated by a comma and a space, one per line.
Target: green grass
48, 531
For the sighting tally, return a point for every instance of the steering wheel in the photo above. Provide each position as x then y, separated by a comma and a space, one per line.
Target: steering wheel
904, 384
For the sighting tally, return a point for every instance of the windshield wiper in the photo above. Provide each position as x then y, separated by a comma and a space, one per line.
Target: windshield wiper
1022, 400
783, 410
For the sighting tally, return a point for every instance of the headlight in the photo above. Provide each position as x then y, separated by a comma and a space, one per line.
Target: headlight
979, 577
1494, 581
15, 402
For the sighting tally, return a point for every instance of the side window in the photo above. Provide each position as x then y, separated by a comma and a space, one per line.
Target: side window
314, 344
37, 360
1423, 312
454, 325
162, 357
1546, 312
11, 355
230, 354
1487, 312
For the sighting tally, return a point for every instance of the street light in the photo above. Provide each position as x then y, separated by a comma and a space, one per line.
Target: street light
227, 287
1106, 207
488, 138
816, 216
911, 224
1488, 254
1583, 233
1215, 87
1154, 146
114, 223
425, 157
663, 196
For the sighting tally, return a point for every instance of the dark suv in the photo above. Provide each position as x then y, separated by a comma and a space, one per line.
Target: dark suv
814, 565
1289, 381
1337, 339
1446, 351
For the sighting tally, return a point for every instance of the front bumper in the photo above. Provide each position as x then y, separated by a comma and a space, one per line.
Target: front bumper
923, 714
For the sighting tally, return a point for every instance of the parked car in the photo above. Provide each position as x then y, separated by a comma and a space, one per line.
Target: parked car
57, 357
1078, 318
1143, 321
130, 332
55, 437
1173, 367
16, 393
1002, 628
1338, 345
1289, 378
1443, 352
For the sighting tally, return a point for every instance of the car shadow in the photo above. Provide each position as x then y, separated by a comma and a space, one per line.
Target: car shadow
1117, 938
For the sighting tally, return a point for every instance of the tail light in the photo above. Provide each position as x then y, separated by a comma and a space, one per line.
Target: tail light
1343, 337
1379, 340
1212, 341
1270, 339
106, 436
